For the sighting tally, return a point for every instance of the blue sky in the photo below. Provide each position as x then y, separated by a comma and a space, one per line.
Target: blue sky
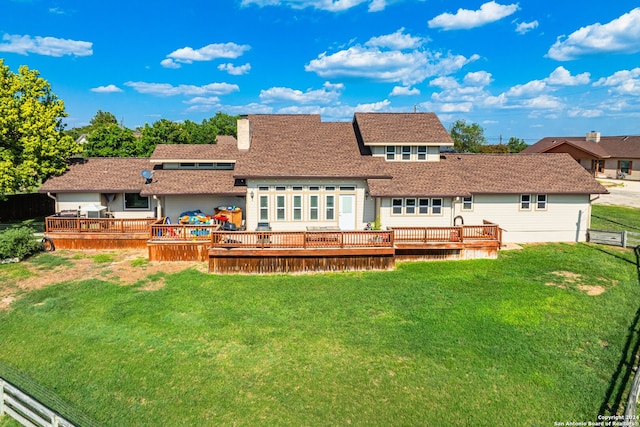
528, 69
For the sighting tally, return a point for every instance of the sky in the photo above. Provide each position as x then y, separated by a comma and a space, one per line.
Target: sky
525, 69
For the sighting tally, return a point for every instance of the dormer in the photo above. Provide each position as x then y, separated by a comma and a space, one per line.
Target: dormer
219, 156
409, 137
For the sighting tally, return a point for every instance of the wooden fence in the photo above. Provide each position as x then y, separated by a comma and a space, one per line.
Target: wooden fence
26, 206
447, 234
26, 410
614, 238
171, 232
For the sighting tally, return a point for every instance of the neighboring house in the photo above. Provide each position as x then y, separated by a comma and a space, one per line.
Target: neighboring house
603, 156
297, 172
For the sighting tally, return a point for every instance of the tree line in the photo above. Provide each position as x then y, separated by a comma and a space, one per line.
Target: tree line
469, 138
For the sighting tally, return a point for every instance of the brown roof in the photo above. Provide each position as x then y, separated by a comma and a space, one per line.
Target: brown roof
104, 175
303, 146
226, 148
623, 147
401, 128
181, 181
467, 174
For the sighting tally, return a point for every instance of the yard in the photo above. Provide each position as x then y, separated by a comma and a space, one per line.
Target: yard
537, 336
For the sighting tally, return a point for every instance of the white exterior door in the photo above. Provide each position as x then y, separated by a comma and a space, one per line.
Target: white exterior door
347, 212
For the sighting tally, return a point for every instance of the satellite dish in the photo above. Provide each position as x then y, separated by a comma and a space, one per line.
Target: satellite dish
147, 174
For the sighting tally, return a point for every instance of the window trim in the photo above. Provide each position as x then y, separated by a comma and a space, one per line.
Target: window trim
545, 203
437, 206
263, 209
524, 202
422, 153
315, 208
467, 201
297, 209
127, 208
394, 206
405, 153
281, 209
328, 209
410, 208
423, 208
390, 153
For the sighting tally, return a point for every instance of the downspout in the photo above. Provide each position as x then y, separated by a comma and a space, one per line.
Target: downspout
55, 199
158, 207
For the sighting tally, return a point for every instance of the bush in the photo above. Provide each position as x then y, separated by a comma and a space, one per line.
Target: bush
18, 243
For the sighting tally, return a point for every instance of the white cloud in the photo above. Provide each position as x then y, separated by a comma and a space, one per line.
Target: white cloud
445, 82
328, 5
404, 91
465, 19
463, 107
525, 27
408, 68
562, 77
235, 70
373, 107
188, 55
166, 89
106, 89
330, 93
478, 78
396, 41
621, 35
210, 100
624, 82
542, 102
581, 112
48, 46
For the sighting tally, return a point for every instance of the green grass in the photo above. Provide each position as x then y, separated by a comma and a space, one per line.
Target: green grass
615, 218
513, 341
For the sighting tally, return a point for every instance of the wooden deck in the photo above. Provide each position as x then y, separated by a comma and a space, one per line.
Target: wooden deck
276, 251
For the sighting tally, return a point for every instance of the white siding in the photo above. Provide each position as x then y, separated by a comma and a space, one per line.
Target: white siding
387, 219
71, 201
566, 218
75, 201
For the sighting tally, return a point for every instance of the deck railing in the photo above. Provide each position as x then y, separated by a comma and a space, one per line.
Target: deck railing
301, 239
447, 234
171, 232
56, 224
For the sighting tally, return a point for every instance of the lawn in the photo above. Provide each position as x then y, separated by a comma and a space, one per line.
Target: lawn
615, 218
534, 337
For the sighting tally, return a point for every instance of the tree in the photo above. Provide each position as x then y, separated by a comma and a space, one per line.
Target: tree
110, 140
467, 138
32, 144
103, 118
516, 145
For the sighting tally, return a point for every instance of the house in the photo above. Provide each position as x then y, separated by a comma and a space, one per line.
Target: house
603, 156
295, 173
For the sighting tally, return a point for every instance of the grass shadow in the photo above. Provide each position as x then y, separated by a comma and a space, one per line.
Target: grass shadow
614, 402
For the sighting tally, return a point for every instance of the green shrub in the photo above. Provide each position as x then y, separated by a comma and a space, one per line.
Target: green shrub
18, 243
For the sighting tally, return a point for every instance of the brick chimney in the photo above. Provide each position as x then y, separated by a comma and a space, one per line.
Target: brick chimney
593, 136
244, 133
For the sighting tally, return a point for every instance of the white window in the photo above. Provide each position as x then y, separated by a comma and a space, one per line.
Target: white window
296, 188
329, 188
423, 206
541, 202
297, 207
422, 153
436, 206
330, 208
264, 208
281, 188
396, 206
347, 188
406, 152
136, 201
314, 188
314, 207
467, 203
280, 207
263, 188
224, 166
187, 165
410, 206
525, 202
391, 152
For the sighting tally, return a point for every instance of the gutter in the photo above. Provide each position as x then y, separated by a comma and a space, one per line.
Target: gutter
55, 199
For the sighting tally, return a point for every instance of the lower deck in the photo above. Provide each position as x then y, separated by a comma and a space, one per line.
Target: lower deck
259, 252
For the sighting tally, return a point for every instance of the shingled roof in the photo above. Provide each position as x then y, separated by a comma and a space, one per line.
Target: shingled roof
623, 147
401, 128
302, 146
468, 174
101, 175
181, 181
